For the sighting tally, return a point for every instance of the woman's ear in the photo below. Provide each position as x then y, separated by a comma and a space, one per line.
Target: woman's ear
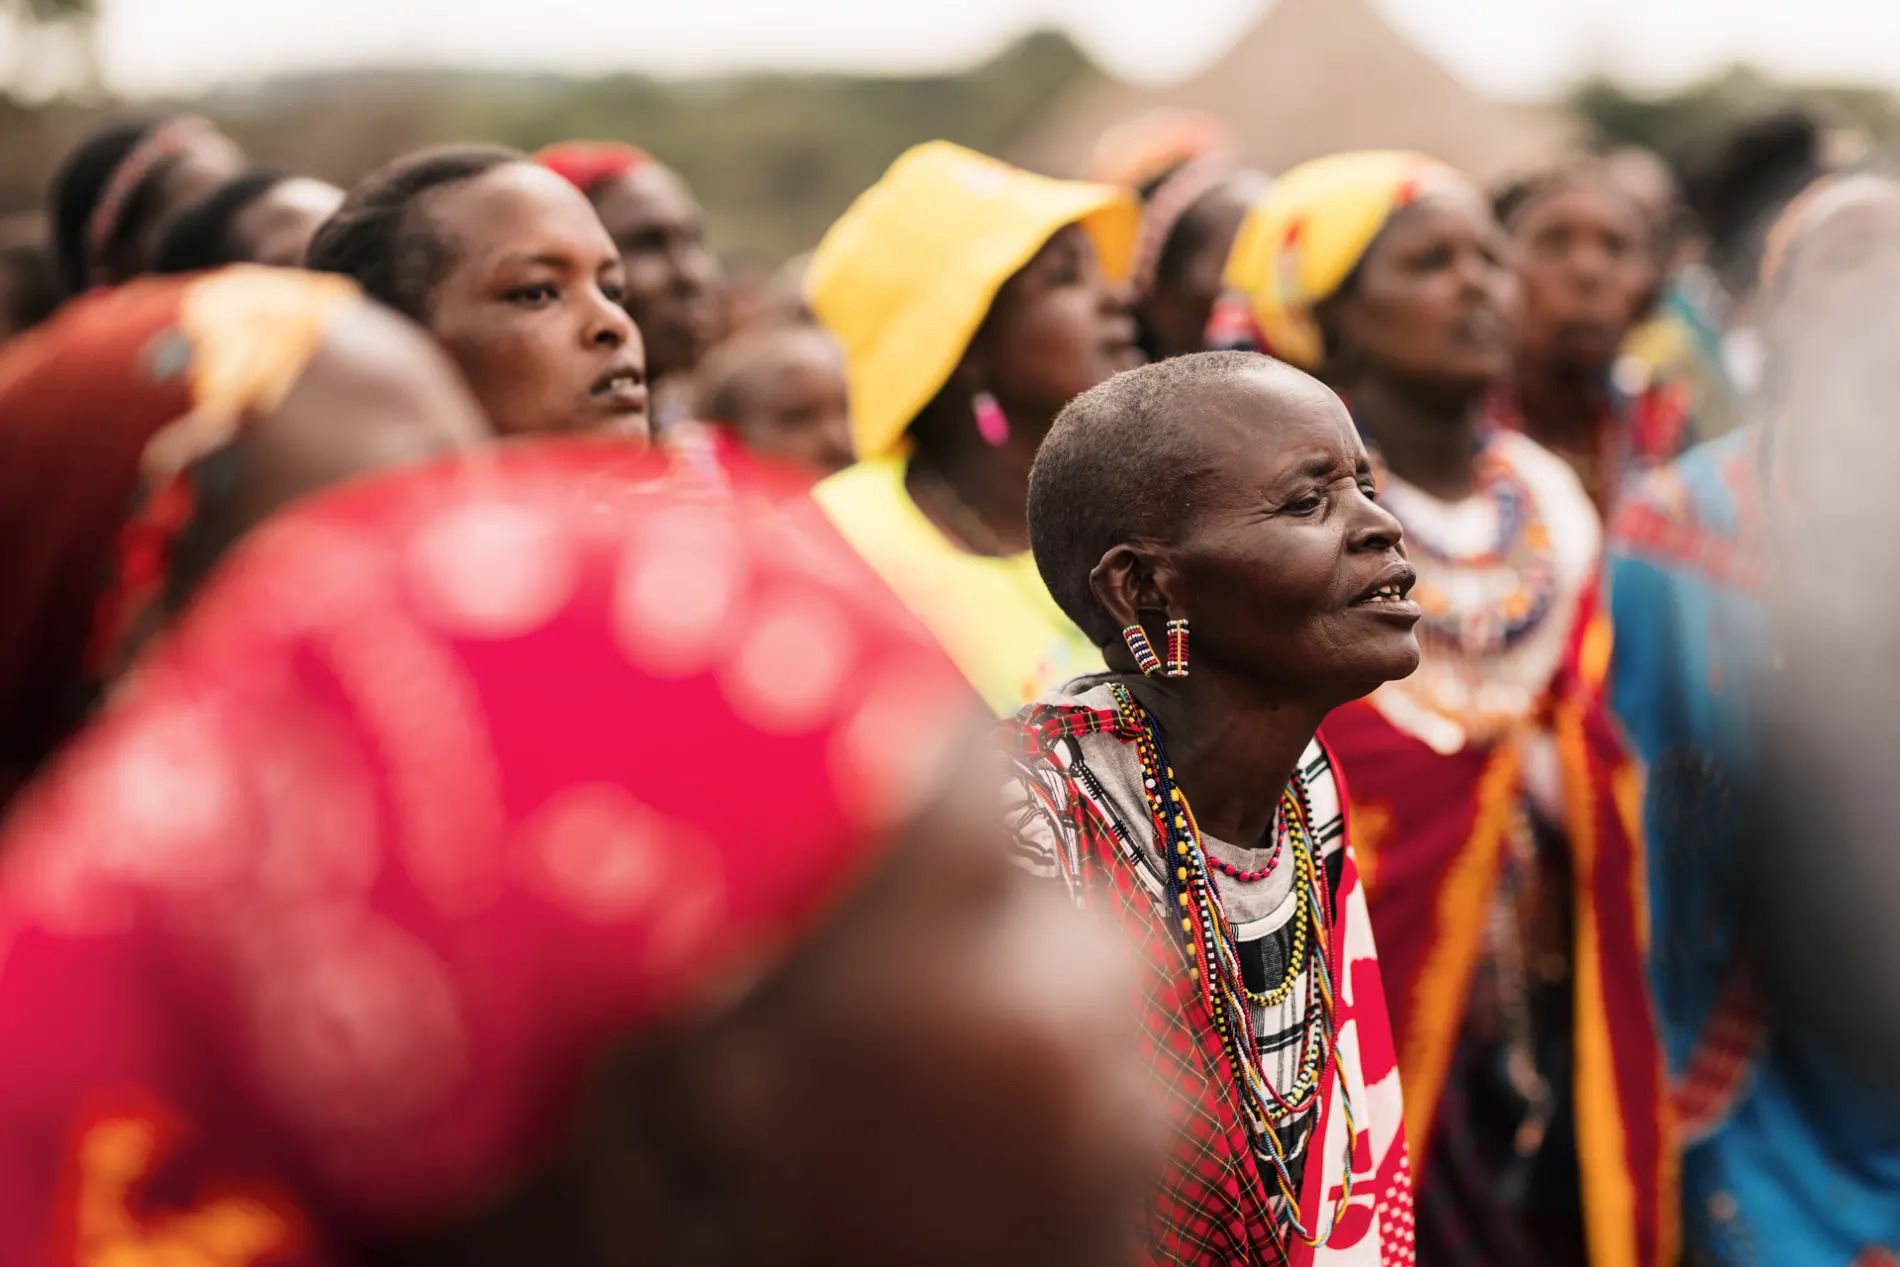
970, 374
1128, 582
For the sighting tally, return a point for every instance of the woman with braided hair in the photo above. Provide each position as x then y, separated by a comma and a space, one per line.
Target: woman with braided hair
113, 195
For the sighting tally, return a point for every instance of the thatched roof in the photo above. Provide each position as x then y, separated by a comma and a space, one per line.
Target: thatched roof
1312, 78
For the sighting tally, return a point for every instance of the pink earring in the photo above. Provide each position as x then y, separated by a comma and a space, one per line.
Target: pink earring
1145, 658
991, 423
1177, 648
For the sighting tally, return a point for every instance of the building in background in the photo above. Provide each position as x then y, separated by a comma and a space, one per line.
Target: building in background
1315, 77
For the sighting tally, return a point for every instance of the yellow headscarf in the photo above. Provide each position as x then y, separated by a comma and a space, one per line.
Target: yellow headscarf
1309, 231
905, 277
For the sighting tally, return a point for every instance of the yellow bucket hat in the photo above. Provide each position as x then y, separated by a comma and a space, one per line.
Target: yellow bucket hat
1309, 231
908, 273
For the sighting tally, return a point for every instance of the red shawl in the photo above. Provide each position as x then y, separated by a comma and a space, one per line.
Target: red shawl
1431, 831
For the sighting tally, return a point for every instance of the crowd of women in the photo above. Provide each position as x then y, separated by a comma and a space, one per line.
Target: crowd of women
1202, 717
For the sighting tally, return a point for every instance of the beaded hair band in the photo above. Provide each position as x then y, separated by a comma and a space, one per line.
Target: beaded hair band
167, 141
1171, 200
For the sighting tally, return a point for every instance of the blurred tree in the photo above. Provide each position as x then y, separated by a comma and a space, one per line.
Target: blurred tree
53, 48
1681, 125
775, 158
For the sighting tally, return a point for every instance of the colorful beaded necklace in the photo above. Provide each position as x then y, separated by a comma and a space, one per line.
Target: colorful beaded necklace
1522, 547
1280, 832
1214, 966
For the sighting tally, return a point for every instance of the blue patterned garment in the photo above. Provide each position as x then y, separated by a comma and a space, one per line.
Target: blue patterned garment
1787, 1159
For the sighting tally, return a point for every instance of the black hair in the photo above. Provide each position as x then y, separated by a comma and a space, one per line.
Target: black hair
203, 235
1515, 198
396, 256
81, 181
1121, 464
1743, 182
1190, 233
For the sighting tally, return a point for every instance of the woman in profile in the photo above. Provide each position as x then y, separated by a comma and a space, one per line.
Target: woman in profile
1209, 522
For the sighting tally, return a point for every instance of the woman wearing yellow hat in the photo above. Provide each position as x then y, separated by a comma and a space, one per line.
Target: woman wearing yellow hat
1495, 806
973, 300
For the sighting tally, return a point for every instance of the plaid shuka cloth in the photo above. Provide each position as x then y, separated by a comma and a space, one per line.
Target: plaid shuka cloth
1218, 1203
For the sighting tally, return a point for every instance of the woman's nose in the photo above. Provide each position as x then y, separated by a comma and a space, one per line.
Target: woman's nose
611, 325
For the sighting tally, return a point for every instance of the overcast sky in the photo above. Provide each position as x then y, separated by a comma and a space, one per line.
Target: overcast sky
1509, 47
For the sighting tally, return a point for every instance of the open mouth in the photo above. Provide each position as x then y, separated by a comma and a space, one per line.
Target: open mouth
622, 387
1390, 591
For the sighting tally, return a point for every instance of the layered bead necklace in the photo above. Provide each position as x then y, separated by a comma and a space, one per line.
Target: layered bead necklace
1522, 548
1213, 959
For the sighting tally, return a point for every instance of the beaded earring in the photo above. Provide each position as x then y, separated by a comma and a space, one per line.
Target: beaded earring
1177, 648
1145, 658
991, 423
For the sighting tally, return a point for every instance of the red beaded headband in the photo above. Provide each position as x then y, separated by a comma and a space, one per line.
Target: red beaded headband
166, 141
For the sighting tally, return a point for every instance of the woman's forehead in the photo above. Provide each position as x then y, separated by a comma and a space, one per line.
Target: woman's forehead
1259, 429
519, 208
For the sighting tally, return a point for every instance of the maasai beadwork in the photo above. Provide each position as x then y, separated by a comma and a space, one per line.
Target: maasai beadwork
1177, 648
1522, 548
1145, 658
1214, 966
1281, 830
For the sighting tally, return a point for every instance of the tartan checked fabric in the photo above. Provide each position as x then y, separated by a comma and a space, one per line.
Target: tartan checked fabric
1213, 1207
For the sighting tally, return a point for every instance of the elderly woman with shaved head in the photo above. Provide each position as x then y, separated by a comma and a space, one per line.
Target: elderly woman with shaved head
1185, 789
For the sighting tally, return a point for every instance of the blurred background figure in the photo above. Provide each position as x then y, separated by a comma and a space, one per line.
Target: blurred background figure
1583, 252
1505, 887
1701, 333
260, 218
1745, 674
144, 430
443, 765
673, 284
973, 301
116, 191
781, 392
1192, 198
511, 272
1647, 179
29, 280
783, 297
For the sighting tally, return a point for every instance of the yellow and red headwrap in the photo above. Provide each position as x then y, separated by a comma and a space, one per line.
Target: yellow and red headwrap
1305, 236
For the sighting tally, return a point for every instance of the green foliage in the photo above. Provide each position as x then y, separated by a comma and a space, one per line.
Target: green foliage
1680, 125
51, 11
774, 158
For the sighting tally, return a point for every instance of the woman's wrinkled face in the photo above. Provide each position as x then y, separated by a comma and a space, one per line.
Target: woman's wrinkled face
1057, 328
961, 1068
673, 283
1582, 259
1289, 572
530, 308
277, 227
1435, 299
